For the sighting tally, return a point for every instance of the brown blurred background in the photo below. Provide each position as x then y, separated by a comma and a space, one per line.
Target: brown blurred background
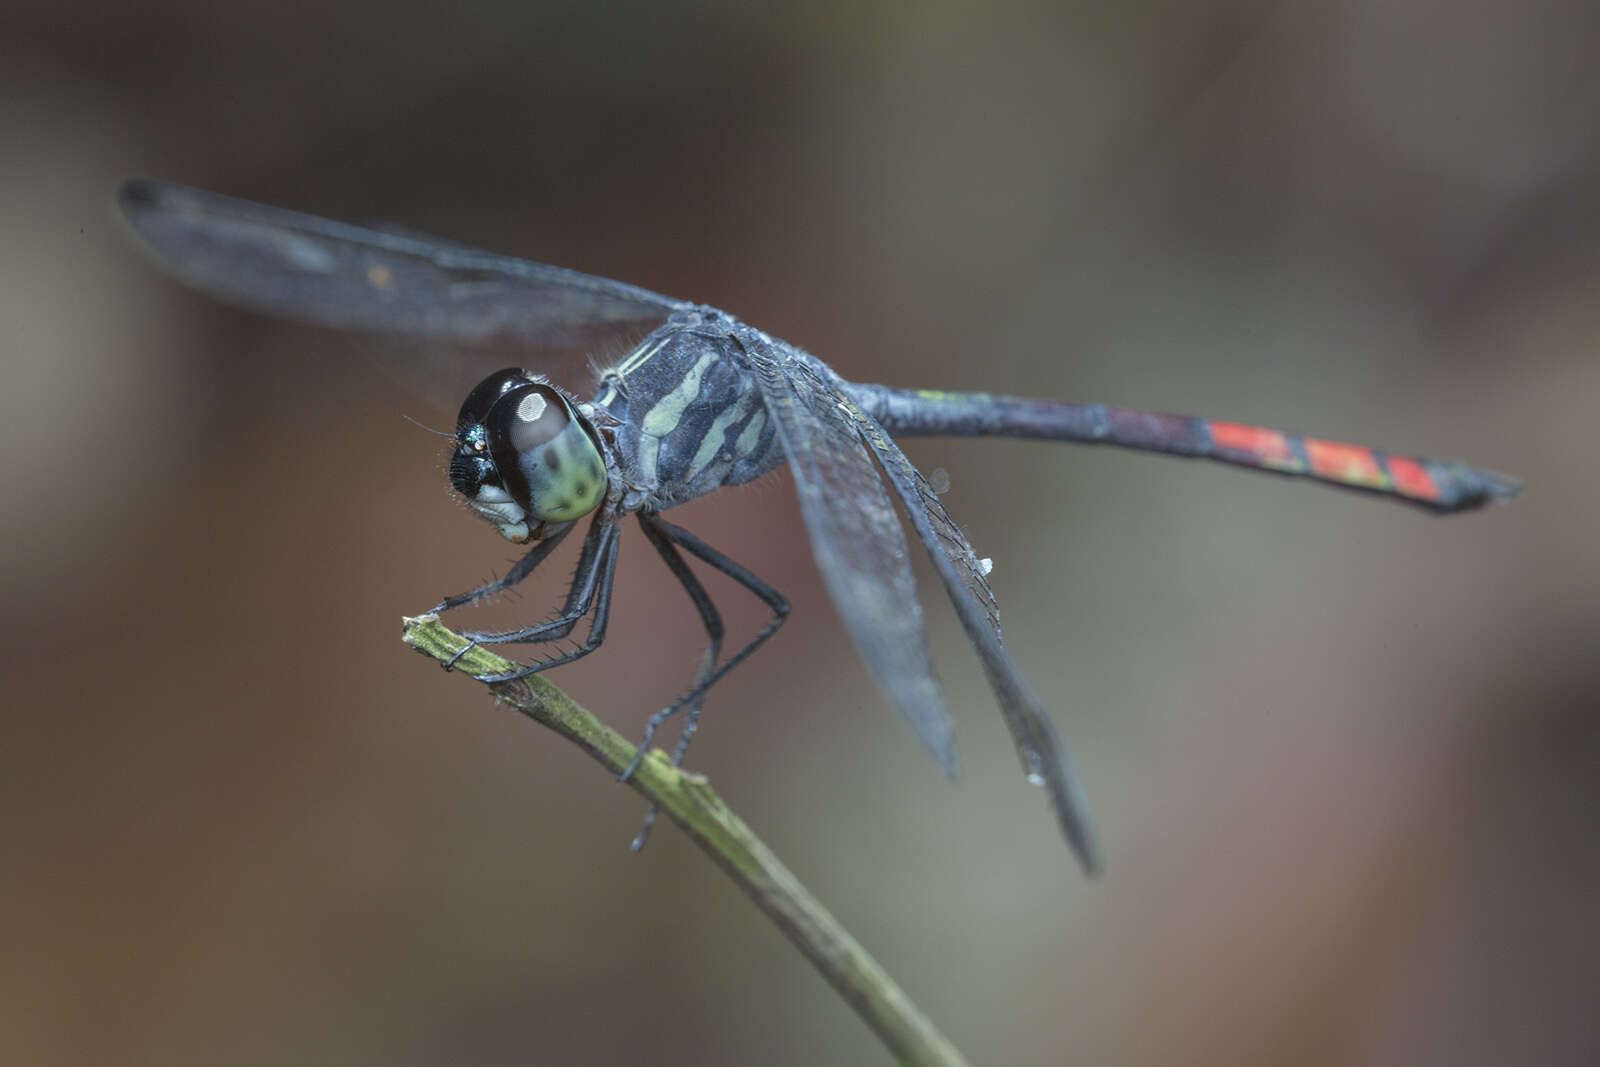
1343, 756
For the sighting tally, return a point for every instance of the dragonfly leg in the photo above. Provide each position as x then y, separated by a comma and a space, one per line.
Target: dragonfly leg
591, 586
769, 596
580, 594
711, 619
519, 570
450, 663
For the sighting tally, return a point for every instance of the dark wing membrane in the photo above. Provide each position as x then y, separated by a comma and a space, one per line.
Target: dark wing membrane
354, 277
857, 539
1044, 757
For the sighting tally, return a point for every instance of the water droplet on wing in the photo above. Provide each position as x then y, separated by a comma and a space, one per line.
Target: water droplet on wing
1033, 768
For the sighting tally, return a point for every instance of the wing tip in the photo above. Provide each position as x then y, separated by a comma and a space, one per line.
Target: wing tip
1087, 850
136, 193
939, 735
1071, 806
142, 203
137, 198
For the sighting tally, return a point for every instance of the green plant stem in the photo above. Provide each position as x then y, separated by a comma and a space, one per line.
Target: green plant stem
689, 801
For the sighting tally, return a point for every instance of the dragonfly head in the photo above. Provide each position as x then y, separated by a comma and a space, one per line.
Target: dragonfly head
525, 459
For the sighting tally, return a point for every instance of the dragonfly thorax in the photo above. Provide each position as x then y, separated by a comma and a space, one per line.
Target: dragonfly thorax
525, 459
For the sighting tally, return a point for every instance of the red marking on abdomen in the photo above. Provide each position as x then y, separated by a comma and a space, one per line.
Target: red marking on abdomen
1269, 446
1412, 479
1351, 464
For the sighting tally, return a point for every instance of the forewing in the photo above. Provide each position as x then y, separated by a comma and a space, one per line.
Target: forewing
1044, 757
857, 539
388, 280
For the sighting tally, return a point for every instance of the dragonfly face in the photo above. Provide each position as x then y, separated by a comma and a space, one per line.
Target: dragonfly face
525, 459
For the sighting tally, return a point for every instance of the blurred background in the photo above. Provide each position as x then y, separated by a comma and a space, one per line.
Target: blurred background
1342, 754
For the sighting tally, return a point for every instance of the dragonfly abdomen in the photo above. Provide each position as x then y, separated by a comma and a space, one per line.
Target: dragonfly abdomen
1440, 485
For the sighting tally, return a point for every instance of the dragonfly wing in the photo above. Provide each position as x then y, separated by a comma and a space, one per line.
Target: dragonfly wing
1044, 757
387, 280
857, 539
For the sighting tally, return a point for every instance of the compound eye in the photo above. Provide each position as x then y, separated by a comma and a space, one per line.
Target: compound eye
544, 453
475, 408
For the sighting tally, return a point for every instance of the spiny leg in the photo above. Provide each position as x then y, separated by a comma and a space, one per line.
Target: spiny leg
579, 596
603, 531
595, 562
760, 589
715, 631
709, 617
600, 597
519, 570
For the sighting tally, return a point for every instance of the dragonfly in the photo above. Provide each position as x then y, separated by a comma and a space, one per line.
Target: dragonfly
705, 401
